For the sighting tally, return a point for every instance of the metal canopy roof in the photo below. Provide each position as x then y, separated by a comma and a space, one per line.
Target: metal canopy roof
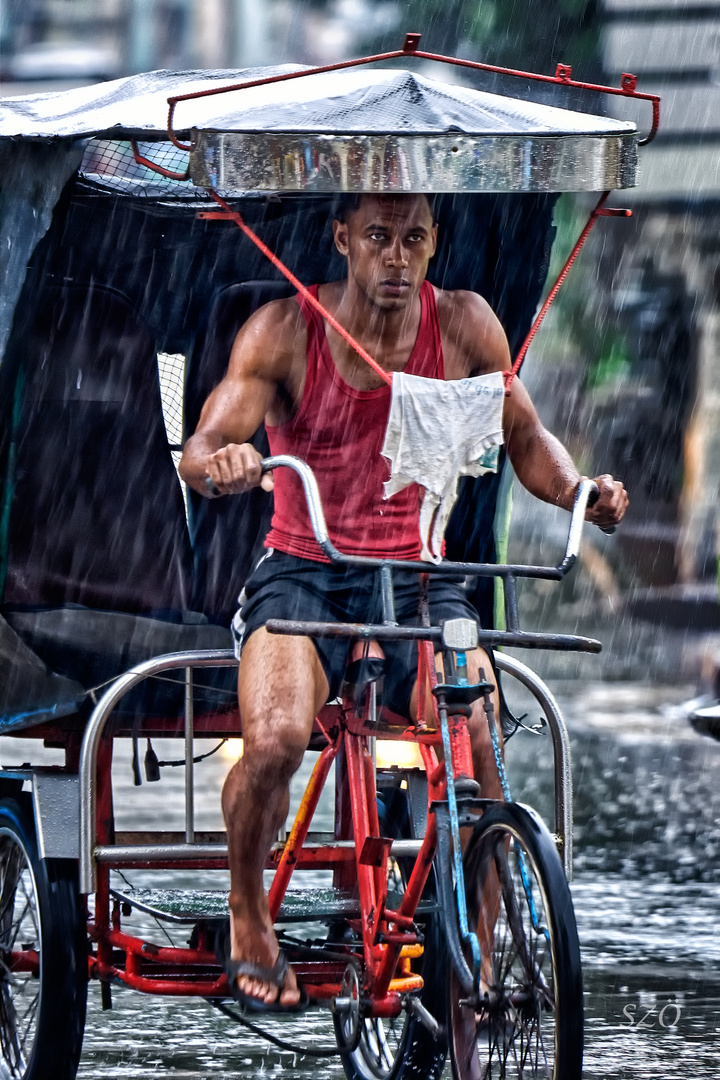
394, 131
136, 105
384, 130
392, 101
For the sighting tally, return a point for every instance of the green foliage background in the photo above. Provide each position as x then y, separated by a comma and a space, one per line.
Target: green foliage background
532, 34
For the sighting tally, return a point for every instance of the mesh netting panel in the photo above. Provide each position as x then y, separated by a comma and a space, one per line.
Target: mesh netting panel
111, 166
171, 369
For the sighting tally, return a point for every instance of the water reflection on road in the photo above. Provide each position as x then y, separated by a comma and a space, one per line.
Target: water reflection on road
646, 888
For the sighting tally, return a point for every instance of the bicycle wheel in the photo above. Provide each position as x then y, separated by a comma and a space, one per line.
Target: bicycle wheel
530, 1023
43, 957
400, 1048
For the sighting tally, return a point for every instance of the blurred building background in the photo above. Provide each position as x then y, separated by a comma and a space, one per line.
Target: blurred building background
628, 368
639, 325
52, 40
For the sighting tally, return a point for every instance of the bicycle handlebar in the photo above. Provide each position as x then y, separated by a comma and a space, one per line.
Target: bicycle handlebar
586, 490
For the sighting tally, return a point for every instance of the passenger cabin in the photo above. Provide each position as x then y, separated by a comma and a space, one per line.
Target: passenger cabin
123, 303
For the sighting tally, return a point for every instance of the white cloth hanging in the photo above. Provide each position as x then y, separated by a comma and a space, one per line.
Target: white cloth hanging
437, 432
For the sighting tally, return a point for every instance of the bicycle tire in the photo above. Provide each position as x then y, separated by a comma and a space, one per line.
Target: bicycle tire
530, 1024
42, 1015
404, 1048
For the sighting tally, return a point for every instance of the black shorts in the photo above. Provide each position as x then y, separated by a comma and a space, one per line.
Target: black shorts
286, 587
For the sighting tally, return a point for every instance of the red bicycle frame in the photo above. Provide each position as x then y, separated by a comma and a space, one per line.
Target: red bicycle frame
390, 938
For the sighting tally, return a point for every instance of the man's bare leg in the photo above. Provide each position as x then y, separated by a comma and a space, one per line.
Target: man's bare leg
281, 688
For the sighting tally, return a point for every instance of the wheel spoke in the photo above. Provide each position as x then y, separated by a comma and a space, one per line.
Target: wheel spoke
515, 1033
28, 1020
19, 931
12, 1050
18, 923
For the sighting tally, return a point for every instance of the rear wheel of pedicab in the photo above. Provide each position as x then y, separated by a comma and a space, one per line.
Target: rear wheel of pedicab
530, 1023
400, 1048
43, 956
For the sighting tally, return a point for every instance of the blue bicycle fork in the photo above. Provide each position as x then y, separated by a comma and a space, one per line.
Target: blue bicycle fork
469, 980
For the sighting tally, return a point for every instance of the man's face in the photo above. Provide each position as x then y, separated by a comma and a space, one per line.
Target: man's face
388, 241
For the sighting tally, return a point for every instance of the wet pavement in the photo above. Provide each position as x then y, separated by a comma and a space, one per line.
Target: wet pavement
646, 890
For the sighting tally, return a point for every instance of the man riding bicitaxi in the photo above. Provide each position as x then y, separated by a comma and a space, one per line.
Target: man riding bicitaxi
321, 402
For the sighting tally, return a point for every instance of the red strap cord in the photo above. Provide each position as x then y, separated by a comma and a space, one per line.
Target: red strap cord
599, 210
508, 376
228, 214
562, 76
233, 215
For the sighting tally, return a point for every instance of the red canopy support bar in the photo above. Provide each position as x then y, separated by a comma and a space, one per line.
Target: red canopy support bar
232, 215
600, 210
562, 76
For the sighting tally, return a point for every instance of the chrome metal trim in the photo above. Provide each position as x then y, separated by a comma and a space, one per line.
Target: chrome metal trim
310, 487
189, 763
93, 734
56, 805
287, 161
90, 852
561, 751
317, 519
585, 490
129, 853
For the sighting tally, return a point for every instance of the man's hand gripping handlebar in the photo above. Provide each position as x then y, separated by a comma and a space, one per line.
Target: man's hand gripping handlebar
236, 469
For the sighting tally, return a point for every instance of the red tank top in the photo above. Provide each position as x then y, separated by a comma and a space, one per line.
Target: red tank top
339, 432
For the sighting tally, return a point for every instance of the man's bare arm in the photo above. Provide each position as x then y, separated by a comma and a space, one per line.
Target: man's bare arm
261, 361
541, 462
545, 468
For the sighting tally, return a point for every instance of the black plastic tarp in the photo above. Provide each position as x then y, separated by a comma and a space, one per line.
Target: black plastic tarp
365, 100
172, 274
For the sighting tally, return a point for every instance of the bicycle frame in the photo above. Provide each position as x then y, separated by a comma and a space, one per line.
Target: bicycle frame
389, 937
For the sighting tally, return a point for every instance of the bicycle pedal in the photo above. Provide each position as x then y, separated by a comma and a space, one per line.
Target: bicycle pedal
415, 1007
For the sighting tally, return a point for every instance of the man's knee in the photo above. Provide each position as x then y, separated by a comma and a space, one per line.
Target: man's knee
275, 743
480, 667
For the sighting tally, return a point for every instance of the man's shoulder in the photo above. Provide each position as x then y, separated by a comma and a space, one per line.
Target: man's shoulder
271, 341
276, 328
277, 315
472, 333
462, 302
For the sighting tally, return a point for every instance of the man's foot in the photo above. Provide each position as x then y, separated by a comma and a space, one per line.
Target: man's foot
258, 971
245, 972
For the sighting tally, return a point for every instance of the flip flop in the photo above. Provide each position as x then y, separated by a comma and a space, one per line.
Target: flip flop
275, 976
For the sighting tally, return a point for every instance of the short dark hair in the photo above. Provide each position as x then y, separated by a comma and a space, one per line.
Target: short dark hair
347, 203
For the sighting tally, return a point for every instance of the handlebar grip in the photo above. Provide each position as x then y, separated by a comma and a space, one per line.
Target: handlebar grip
214, 492
592, 499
